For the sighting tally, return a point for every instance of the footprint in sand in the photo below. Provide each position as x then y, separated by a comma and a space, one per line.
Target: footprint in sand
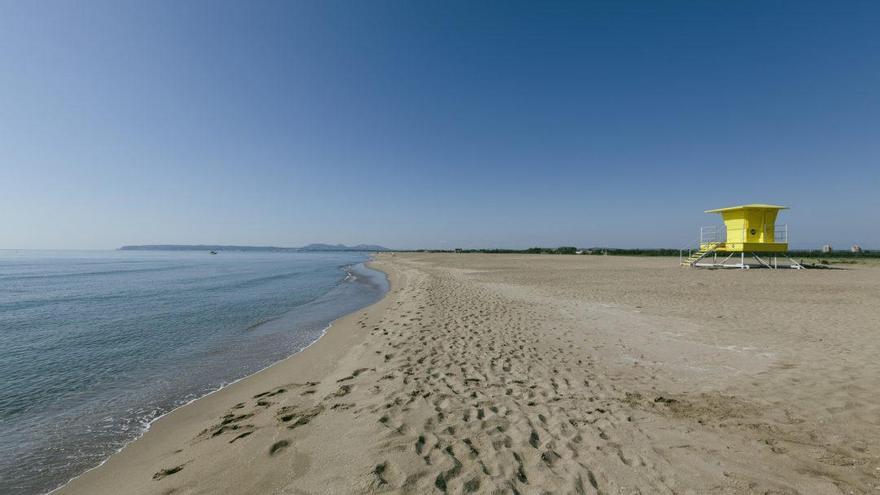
167, 472
296, 417
379, 473
343, 391
229, 422
353, 374
278, 447
270, 393
241, 436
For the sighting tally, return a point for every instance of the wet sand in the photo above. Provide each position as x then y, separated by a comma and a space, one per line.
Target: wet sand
560, 374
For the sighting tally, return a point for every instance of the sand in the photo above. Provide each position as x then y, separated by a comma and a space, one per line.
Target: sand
556, 374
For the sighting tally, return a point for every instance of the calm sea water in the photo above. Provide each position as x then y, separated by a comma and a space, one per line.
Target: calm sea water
96, 345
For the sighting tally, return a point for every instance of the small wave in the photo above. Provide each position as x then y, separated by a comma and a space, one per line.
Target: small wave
96, 273
257, 324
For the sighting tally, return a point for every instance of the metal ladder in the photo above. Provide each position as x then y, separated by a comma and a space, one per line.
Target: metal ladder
705, 250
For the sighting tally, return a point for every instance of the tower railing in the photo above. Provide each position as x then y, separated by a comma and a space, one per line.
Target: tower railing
718, 233
712, 233
780, 233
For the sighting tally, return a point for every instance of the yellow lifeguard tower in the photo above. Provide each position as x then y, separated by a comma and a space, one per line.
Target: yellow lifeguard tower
748, 229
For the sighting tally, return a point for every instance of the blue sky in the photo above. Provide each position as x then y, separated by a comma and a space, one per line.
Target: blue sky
434, 124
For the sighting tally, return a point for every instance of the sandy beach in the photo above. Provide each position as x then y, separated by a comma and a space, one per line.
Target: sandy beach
548, 374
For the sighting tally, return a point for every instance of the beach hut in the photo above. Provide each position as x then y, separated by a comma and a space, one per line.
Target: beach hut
747, 230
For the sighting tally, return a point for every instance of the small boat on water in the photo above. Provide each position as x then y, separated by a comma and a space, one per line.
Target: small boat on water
213, 252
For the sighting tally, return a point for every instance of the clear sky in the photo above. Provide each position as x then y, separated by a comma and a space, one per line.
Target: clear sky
434, 124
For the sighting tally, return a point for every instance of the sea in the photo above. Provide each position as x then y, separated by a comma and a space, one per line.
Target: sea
95, 345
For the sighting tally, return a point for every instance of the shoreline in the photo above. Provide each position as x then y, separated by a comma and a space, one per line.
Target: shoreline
513, 374
369, 264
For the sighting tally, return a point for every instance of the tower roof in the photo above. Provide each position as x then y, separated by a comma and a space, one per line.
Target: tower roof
754, 206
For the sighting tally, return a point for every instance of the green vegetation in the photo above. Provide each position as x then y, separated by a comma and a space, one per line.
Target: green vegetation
634, 252
817, 258
834, 254
811, 256
559, 250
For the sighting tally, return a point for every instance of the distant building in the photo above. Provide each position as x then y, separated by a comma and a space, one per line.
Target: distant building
856, 248
827, 248
457, 250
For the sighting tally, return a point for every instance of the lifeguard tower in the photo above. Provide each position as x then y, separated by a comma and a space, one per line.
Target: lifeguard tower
748, 229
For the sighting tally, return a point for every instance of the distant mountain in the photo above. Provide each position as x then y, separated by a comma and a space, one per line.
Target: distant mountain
209, 247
